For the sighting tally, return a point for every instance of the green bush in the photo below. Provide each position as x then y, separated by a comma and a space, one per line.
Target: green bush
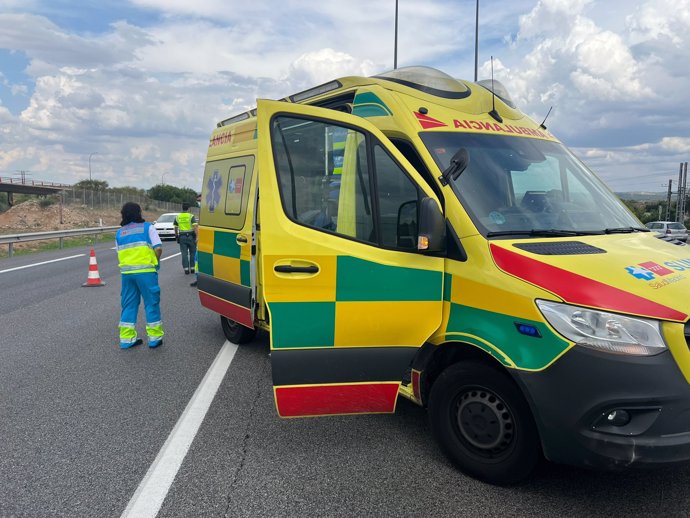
46, 202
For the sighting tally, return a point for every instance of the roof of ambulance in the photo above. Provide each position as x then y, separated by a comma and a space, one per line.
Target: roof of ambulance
426, 83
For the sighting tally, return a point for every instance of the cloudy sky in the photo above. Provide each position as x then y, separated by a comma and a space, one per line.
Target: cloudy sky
138, 85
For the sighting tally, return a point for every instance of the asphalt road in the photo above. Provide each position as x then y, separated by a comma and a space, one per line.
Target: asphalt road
81, 422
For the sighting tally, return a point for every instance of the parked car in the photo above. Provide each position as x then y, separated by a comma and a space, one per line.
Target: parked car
670, 229
164, 225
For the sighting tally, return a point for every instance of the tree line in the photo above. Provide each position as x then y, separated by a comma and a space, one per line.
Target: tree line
160, 192
653, 210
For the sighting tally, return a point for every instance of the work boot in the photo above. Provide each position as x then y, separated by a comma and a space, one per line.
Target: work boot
193, 283
186, 272
138, 341
155, 343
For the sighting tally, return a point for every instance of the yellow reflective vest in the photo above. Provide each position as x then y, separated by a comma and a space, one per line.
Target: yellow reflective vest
184, 222
134, 249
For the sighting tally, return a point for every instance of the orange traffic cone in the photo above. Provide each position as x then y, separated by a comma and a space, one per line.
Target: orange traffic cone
94, 278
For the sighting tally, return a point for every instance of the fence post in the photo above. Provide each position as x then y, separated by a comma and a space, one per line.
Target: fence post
11, 250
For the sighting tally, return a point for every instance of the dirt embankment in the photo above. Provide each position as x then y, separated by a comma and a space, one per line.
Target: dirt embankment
30, 216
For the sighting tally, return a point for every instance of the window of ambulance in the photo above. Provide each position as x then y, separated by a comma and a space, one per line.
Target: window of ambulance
340, 180
521, 186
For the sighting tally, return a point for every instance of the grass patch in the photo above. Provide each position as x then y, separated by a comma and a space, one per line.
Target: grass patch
31, 247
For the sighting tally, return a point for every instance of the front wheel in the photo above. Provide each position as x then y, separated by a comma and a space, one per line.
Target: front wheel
483, 423
235, 332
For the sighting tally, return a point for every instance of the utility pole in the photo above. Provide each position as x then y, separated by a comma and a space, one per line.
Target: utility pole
476, 41
90, 155
680, 188
685, 192
395, 46
668, 200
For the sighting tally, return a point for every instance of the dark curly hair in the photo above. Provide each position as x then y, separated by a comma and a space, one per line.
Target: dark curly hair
131, 213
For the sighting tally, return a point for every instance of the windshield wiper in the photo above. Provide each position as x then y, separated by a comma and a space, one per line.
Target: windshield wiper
625, 230
553, 232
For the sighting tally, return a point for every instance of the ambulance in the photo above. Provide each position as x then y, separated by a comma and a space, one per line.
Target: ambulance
411, 234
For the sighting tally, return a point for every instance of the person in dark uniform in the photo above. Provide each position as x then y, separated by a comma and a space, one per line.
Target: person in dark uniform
186, 229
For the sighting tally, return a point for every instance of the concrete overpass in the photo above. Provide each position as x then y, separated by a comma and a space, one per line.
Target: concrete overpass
24, 186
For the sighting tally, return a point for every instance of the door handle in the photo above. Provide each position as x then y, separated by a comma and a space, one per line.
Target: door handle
241, 240
286, 268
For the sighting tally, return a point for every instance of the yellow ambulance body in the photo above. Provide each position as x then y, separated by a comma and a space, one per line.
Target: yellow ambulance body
413, 234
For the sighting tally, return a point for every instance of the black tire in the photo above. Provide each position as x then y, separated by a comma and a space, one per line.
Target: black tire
236, 332
483, 423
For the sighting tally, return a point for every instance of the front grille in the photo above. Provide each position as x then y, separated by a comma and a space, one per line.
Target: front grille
560, 248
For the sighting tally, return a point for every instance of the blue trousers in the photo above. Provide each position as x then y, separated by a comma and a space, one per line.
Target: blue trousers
137, 286
188, 250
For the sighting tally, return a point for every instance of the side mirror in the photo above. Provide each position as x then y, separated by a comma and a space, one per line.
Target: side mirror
459, 162
432, 227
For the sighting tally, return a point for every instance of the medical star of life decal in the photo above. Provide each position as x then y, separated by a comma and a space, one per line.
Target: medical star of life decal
640, 273
214, 184
647, 271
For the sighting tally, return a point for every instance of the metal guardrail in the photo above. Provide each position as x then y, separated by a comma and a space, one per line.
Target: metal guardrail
11, 239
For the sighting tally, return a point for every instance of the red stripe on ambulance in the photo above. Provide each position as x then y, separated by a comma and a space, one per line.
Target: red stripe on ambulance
227, 309
357, 398
576, 289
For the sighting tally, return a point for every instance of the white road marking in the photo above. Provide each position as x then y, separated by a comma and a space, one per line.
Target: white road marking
149, 496
39, 264
171, 256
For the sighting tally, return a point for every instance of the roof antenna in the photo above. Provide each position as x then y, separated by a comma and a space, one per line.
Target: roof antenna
493, 111
547, 116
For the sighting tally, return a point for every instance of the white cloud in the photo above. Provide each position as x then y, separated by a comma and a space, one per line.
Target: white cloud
41, 39
146, 96
324, 65
550, 17
660, 19
676, 144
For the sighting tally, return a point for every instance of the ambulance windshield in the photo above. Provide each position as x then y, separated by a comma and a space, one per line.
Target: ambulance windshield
523, 186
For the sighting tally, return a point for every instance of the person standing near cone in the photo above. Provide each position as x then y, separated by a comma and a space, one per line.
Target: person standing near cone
186, 229
138, 250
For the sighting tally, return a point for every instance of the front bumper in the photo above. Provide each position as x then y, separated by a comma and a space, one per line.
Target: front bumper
572, 398
164, 232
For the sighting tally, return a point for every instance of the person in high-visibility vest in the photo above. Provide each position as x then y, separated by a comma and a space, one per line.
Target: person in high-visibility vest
138, 251
186, 229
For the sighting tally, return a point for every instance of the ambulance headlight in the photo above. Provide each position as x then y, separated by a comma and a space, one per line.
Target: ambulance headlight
603, 331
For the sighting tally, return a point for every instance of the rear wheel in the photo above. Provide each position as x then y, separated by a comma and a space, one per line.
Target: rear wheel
235, 332
483, 423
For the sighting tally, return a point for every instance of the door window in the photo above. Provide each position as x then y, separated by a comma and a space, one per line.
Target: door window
340, 180
225, 197
397, 200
